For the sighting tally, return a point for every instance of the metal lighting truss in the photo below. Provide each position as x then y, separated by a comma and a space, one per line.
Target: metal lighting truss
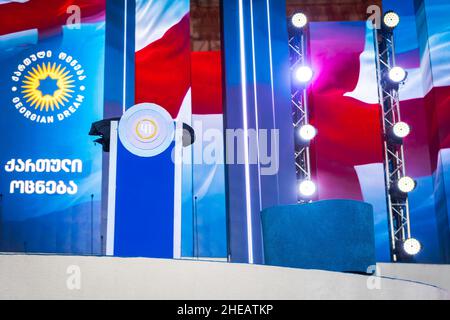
394, 159
299, 100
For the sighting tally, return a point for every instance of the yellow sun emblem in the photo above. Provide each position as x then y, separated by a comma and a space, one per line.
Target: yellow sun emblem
35, 96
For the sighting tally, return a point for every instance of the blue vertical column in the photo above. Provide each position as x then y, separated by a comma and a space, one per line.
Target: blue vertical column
272, 69
442, 197
260, 169
434, 35
119, 57
119, 52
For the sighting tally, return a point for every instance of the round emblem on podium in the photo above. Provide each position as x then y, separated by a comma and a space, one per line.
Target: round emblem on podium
146, 130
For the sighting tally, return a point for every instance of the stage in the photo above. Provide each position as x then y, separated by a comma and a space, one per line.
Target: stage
303, 144
71, 277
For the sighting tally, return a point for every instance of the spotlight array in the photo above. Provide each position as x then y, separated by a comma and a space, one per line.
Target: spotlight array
302, 74
398, 184
391, 77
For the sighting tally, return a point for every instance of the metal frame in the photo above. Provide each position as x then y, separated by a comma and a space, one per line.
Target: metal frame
299, 101
394, 159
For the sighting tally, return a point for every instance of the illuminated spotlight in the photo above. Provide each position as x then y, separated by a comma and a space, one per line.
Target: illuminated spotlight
299, 20
406, 184
397, 74
307, 188
303, 74
307, 132
391, 19
412, 246
401, 130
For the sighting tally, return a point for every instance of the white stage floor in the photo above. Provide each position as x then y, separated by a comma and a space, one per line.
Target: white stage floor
68, 277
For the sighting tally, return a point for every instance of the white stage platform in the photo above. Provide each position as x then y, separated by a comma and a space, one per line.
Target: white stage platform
68, 277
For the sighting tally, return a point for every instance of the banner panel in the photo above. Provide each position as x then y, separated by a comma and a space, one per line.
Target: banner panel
51, 91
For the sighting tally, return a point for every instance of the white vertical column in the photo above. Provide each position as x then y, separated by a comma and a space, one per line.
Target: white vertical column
112, 189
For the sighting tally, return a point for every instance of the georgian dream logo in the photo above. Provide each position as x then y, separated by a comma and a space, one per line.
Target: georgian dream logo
48, 88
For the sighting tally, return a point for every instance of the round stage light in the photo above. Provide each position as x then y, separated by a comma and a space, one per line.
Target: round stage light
304, 74
397, 74
391, 19
406, 184
401, 130
412, 246
307, 132
299, 20
307, 188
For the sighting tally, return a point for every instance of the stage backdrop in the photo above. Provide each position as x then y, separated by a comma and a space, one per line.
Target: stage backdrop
51, 90
347, 155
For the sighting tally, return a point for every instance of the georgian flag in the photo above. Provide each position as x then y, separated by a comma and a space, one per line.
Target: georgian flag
18, 16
